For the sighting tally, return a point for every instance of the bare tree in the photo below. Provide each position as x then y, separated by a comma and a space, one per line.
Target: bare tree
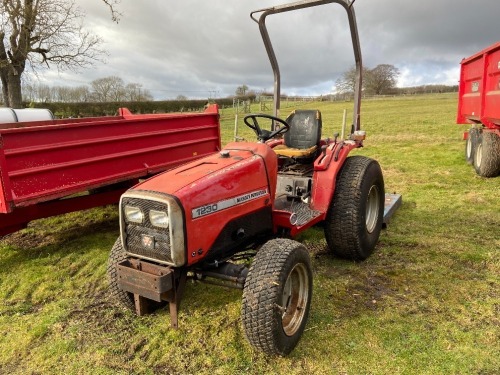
64, 94
45, 93
108, 89
134, 92
113, 89
115, 14
346, 83
381, 79
81, 94
40, 33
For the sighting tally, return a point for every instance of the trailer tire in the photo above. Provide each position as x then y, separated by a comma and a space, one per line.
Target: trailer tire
117, 255
355, 216
487, 156
277, 296
471, 144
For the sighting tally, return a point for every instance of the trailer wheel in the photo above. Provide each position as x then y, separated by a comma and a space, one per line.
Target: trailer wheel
354, 219
471, 144
277, 297
117, 255
487, 156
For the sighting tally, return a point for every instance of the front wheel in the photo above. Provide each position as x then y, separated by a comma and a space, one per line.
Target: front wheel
355, 216
117, 255
123, 298
277, 296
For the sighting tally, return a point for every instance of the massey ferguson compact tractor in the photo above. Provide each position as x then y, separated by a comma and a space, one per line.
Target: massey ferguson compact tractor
206, 219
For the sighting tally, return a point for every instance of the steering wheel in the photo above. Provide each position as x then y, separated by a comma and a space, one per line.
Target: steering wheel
262, 134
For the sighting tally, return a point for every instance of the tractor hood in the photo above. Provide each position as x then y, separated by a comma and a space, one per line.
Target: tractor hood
235, 169
216, 190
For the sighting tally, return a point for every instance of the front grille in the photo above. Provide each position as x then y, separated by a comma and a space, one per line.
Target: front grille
136, 235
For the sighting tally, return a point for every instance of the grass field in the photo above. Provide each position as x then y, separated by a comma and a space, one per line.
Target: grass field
426, 302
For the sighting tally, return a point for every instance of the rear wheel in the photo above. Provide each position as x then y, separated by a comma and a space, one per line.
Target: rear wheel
277, 296
354, 219
471, 144
487, 155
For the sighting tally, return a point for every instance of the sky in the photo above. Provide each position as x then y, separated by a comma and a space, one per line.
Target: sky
206, 49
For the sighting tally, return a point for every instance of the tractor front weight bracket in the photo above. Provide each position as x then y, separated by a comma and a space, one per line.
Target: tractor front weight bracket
152, 283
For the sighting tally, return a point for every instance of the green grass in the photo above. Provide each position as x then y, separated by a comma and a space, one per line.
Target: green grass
426, 302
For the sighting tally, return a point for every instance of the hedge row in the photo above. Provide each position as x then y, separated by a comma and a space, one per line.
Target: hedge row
110, 109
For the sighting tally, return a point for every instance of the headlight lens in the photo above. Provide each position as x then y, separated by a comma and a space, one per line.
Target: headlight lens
158, 218
134, 214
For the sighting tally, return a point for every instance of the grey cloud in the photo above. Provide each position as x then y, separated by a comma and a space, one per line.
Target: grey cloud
193, 47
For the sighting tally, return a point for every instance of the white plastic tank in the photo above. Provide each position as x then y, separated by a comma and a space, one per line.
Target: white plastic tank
8, 115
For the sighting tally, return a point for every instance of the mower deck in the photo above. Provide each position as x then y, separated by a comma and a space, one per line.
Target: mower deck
392, 203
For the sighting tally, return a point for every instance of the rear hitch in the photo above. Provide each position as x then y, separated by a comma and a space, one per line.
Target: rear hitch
151, 282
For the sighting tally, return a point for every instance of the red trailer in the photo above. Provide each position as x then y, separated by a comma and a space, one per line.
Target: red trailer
46, 167
479, 105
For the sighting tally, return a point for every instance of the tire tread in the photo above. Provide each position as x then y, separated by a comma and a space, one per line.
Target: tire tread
344, 220
117, 255
262, 289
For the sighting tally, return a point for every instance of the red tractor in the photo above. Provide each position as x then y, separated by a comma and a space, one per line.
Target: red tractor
204, 219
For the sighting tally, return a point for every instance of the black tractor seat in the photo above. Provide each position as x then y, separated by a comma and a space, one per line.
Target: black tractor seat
301, 142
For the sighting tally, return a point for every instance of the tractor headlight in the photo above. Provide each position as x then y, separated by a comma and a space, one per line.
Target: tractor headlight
152, 227
133, 214
158, 218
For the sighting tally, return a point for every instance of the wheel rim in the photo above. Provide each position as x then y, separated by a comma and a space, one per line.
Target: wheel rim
479, 155
372, 208
294, 299
469, 147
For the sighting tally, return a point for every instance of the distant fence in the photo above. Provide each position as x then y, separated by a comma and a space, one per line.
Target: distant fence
239, 104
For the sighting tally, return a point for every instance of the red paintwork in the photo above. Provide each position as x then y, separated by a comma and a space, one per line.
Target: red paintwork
249, 167
326, 169
45, 160
479, 88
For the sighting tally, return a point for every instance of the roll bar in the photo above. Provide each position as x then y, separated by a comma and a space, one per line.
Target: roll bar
348, 6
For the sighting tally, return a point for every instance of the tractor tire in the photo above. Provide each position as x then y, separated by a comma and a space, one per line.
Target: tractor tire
471, 144
355, 216
277, 296
123, 298
487, 156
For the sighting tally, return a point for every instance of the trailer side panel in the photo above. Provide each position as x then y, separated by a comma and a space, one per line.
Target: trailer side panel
44, 162
479, 88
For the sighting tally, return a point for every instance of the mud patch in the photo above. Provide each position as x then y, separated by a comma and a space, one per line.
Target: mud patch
28, 240
41, 233
371, 291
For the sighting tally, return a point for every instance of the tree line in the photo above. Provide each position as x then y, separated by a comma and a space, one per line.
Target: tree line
102, 90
